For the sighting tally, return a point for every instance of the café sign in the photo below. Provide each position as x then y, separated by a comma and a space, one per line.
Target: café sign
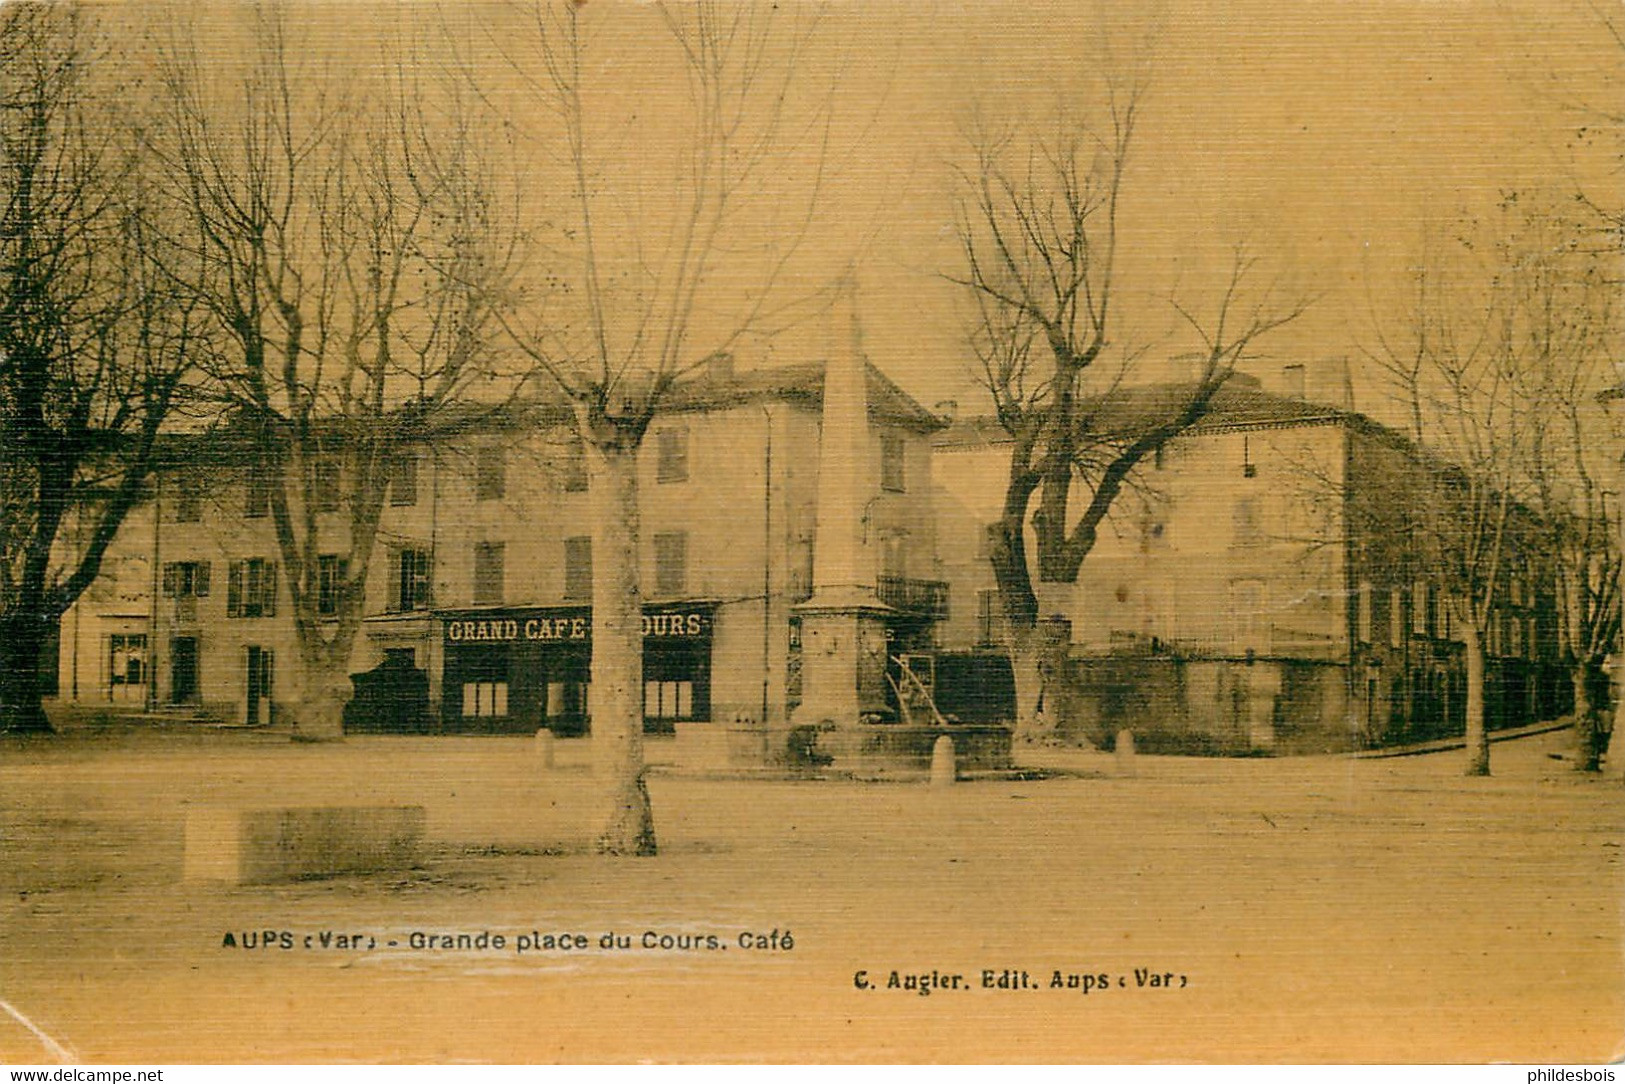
569, 625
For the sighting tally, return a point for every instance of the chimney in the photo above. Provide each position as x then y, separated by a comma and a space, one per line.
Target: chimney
719, 367
947, 410
1292, 381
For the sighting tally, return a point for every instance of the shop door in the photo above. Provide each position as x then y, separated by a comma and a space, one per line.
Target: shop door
183, 686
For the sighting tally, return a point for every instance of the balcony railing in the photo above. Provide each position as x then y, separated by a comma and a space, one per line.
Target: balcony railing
916, 598
919, 598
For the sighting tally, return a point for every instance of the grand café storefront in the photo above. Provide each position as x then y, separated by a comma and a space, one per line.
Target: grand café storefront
516, 671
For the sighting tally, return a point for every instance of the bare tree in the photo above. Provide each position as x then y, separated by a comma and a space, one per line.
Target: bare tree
1605, 120
94, 347
1458, 360
1565, 284
355, 247
636, 303
1038, 230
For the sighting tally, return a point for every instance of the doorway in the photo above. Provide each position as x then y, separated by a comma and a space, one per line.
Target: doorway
261, 679
183, 683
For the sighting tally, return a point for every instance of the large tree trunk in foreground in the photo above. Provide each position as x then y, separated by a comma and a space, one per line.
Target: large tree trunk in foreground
617, 653
1024, 665
22, 634
1478, 739
318, 714
1040, 656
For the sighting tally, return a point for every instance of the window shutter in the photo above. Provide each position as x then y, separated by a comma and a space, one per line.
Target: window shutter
200, 581
234, 589
268, 602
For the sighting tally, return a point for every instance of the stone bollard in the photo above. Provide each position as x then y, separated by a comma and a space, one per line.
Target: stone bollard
544, 747
1125, 754
942, 762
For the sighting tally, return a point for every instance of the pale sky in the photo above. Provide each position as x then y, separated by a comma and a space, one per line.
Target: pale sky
1323, 133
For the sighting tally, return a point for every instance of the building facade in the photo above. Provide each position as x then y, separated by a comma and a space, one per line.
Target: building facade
1250, 592
478, 594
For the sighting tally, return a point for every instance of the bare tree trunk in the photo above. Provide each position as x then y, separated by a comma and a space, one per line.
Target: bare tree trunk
1587, 753
1032, 722
617, 651
1041, 657
318, 714
1614, 759
22, 633
1478, 739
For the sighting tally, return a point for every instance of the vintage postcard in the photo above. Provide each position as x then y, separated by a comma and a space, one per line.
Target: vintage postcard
888, 533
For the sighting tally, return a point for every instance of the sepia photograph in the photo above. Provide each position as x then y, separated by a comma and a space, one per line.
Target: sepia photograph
731, 531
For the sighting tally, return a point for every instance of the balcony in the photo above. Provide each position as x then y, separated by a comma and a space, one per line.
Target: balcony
916, 598
912, 598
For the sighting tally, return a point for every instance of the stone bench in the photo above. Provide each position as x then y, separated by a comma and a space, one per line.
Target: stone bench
258, 846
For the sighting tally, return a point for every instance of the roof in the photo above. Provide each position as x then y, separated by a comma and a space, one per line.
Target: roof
1239, 404
802, 383
228, 442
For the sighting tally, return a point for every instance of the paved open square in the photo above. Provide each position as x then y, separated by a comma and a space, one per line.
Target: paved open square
1302, 909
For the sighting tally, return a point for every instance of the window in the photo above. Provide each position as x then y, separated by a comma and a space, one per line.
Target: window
1396, 617
490, 473
575, 468
410, 574
188, 499
672, 462
668, 699
671, 563
989, 621
403, 480
257, 499
1244, 524
1363, 617
186, 579
578, 567
488, 562
892, 477
127, 658
568, 699
485, 699
324, 484
251, 588
331, 573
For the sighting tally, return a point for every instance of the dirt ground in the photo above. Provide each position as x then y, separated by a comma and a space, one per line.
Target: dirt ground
1292, 909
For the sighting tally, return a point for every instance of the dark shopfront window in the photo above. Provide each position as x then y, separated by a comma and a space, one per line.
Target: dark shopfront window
521, 671
478, 690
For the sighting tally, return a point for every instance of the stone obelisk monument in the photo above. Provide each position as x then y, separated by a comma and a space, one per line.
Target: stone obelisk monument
843, 630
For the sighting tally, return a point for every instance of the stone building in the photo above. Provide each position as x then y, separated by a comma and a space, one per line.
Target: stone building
477, 602
1250, 592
